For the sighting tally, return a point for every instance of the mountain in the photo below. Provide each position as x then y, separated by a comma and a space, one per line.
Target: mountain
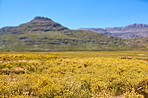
127, 32
137, 42
37, 24
43, 34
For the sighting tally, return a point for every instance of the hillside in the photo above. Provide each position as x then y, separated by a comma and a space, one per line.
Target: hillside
137, 42
127, 32
43, 34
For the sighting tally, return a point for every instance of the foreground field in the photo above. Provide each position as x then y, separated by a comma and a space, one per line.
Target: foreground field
74, 74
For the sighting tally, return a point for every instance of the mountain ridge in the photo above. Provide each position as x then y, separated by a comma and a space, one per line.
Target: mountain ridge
43, 34
127, 32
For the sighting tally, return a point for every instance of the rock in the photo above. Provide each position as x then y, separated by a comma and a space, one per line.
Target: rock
16, 70
5, 71
41, 18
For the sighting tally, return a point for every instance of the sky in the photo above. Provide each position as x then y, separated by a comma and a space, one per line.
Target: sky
75, 14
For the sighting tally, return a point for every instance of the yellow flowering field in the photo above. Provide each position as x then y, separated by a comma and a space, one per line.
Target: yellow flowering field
74, 74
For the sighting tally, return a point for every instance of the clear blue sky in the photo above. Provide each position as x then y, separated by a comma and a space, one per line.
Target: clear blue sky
75, 14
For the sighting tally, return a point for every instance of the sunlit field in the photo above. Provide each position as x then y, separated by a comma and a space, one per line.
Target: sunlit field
107, 74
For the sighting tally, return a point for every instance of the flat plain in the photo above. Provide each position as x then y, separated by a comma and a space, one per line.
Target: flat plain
74, 74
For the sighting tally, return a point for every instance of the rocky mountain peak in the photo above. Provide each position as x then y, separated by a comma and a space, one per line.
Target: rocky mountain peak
41, 18
43, 24
137, 26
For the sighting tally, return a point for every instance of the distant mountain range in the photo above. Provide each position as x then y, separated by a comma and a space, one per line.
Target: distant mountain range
130, 31
43, 34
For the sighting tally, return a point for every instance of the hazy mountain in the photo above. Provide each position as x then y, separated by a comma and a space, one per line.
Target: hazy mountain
130, 31
43, 34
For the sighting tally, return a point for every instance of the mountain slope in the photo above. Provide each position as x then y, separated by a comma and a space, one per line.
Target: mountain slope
43, 34
141, 43
130, 31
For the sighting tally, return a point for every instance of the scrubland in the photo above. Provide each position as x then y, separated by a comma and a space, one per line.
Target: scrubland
116, 74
